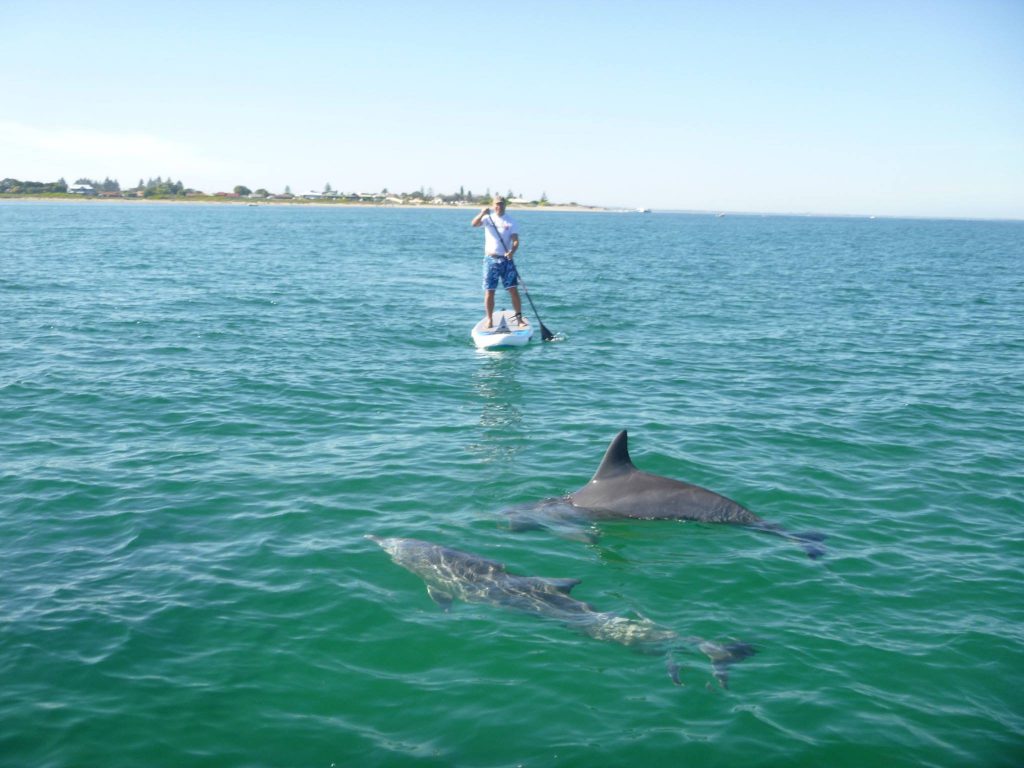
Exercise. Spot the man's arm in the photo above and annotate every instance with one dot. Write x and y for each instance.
(479, 219)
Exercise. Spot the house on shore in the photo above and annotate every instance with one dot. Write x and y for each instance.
(82, 189)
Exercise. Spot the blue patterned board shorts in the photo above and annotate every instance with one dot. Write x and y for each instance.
(503, 268)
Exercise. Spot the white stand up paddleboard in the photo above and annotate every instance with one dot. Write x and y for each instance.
(506, 332)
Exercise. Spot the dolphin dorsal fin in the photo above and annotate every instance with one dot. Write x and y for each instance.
(562, 585)
(616, 459)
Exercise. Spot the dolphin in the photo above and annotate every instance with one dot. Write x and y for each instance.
(619, 490)
(451, 573)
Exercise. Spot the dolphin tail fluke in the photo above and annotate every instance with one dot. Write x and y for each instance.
(725, 655)
(811, 542)
(722, 656)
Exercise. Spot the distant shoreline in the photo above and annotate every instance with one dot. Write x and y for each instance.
(297, 203)
(565, 208)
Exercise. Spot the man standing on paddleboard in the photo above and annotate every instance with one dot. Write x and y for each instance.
(501, 241)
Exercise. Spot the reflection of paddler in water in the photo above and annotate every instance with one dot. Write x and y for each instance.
(501, 241)
(500, 415)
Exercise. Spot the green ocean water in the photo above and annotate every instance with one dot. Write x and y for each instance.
(204, 409)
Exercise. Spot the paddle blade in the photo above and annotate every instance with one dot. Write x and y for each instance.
(545, 334)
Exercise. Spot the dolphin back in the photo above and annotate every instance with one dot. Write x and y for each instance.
(619, 489)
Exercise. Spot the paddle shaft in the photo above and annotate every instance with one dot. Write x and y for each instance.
(545, 334)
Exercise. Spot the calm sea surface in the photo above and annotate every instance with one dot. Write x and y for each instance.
(203, 409)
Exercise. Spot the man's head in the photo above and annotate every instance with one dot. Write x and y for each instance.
(498, 203)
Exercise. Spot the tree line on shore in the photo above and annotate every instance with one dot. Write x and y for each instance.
(168, 188)
(157, 187)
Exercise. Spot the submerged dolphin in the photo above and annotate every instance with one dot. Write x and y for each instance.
(451, 573)
(619, 490)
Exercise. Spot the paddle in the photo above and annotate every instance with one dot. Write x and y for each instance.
(545, 334)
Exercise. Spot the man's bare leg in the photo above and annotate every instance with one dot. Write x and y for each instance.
(517, 305)
(489, 307)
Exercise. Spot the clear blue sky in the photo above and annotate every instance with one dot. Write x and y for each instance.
(884, 108)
